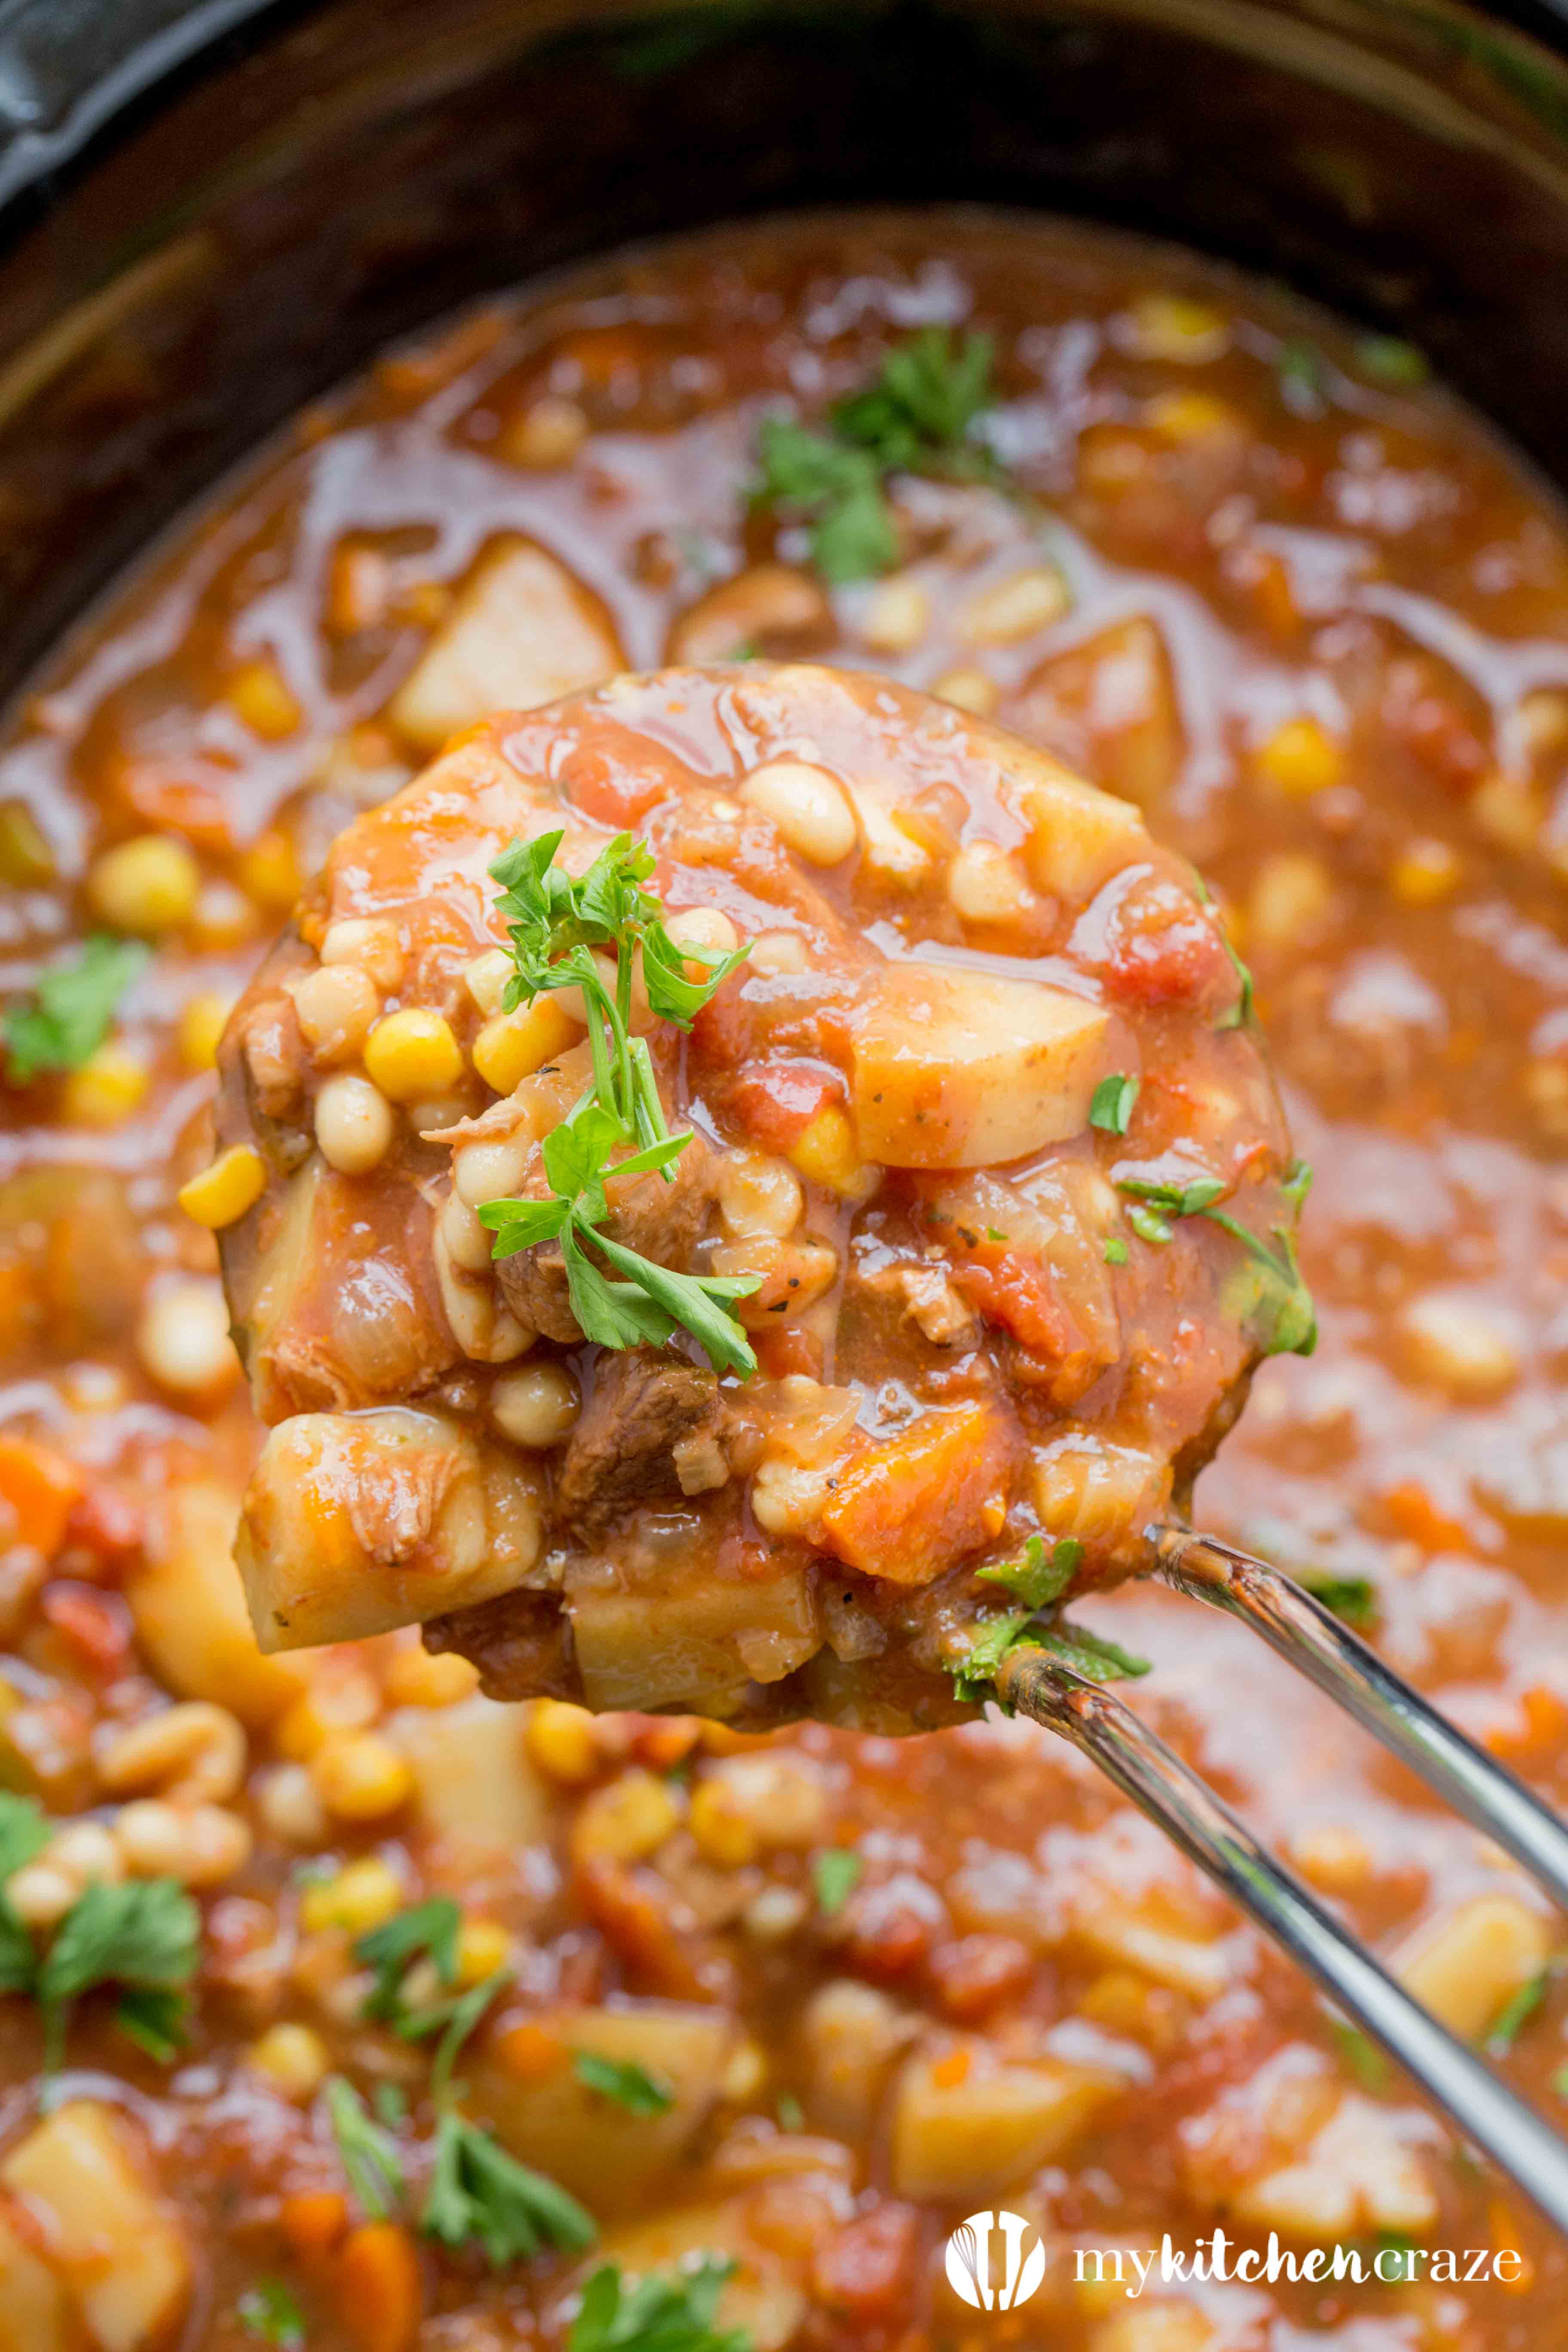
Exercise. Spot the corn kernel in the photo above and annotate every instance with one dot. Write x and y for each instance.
(223, 1193)
(548, 433)
(334, 1704)
(146, 887)
(269, 871)
(897, 615)
(201, 1019)
(1182, 417)
(362, 1895)
(514, 1044)
(106, 1089)
(483, 1947)
(625, 1821)
(969, 690)
(416, 1677)
(559, 1739)
(1293, 899)
(413, 1054)
(724, 1835)
(1300, 758)
(486, 977)
(292, 2058)
(1509, 810)
(1176, 326)
(746, 2071)
(1426, 871)
(1016, 607)
(223, 916)
(828, 1153)
(260, 696)
(360, 1777)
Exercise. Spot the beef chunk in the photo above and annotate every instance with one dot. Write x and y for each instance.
(622, 1451)
(659, 1221)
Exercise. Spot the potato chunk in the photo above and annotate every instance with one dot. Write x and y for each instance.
(958, 1070)
(33, 2313)
(543, 2110)
(475, 1791)
(1077, 836)
(188, 1605)
(762, 2299)
(523, 631)
(126, 2261)
(976, 2135)
(697, 1648)
(354, 1523)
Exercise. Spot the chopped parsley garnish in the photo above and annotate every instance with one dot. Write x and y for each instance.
(1361, 2055)
(555, 924)
(1089, 1654)
(657, 2313)
(477, 2192)
(834, 1873)
(24, 1835)
(144, 1935)
(1353, 1599)
(1110, 1105)
(270, 2311)
(916, 416)
(789, 2111)
(632, 2087)
(1039, 1576)
(369, 2154)
(428, 1931)
(1390, 361)
(1116, 1251)
(67, 1016)
(1281, 1305)
(1517, 2012)
(155, 2021)
(1237, 1015)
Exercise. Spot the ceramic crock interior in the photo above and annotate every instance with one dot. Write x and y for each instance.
(261, 216)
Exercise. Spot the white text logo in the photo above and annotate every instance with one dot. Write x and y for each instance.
(995, 2262)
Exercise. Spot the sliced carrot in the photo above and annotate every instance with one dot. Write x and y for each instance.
(1415, 1516)
(380, 2293)
(908, 1508)
(38, 1489)
(948, 2073)
(314, 2220)
(1504, 2233)
(530, 2053)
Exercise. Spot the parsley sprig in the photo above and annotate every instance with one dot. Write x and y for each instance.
(916, 416)
(558, 926)
(659, 2314)
(1282, 1306)
(629, 2086)
(1039, 1578)
(67, 1015)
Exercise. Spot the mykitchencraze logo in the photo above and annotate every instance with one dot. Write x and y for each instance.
(1132, 2267)
(995, 2262)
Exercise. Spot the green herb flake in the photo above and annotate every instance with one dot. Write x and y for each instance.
(154, 2022)
(25, 1831)
(1149, 1225)
(1351, 1599)
(1389, 362)
(1362, 2058)
(1039, 1577)
(480, 2194)
(1090, 1654)
(1517, 2012)
(1302, 377)
(1110, 1105)
(427, 1931)
(789, 2111)
(630, 2086)
(144, 1934)
(835, 1872)
(657, 2313)
(69, 1015)
(369, 2154)
(267, 2310)
(1116, 1251)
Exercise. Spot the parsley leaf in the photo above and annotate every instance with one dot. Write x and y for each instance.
(1039, 1576)
(1388, 361)
(1089, 1654)
(1361, 2053)
(1277, 1302)
(916, 415)
(1115, 1252)
(1517, 2012)
(1110, 1105)
(144, 1934)
(429, 1931)
(154, 2021)
(270, 2311)
(24, 1833)
(478, 2192)
(632, 2087)
(834, 1873)
(369, 2154)
(1352, 1598)
(658, 2313)
(68, 1013)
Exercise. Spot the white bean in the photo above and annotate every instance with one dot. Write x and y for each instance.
(808, 806)
(535, 1406)
(354, 1125)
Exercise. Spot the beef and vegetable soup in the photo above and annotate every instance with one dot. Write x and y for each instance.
(347, 2007)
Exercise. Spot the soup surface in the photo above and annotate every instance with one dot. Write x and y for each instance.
(352, 2009)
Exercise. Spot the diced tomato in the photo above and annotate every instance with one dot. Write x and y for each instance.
(864, 2269)
(892, 1927)
(976, 1973)
(776, 1102)
(97, 1624)
(1018, 1292)
(907, 1508)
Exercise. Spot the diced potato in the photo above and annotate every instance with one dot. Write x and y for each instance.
(762, 2299)
(476, 1791)
(1153, 1938)
(1357, 2172)
(523, 631)
(850, 2036)
(771, 601)
(968, 2131)
(891, 850)
(958, 1070)
(125, 2260)
(908, 1506)
(546, 2115)
(356, 1523)
(189, 1608)
(695, 1646)
(34, 2317)
(1077, 836)
(1467, 1964)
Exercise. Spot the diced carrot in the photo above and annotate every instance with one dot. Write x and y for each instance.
(314, 2220)
(1538, 1729)
(908, 1508)
(1503, 2232)
(1415, 1516)
(529, 2053)
(948, 2073)
(380, 2293)
(38, 1489)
